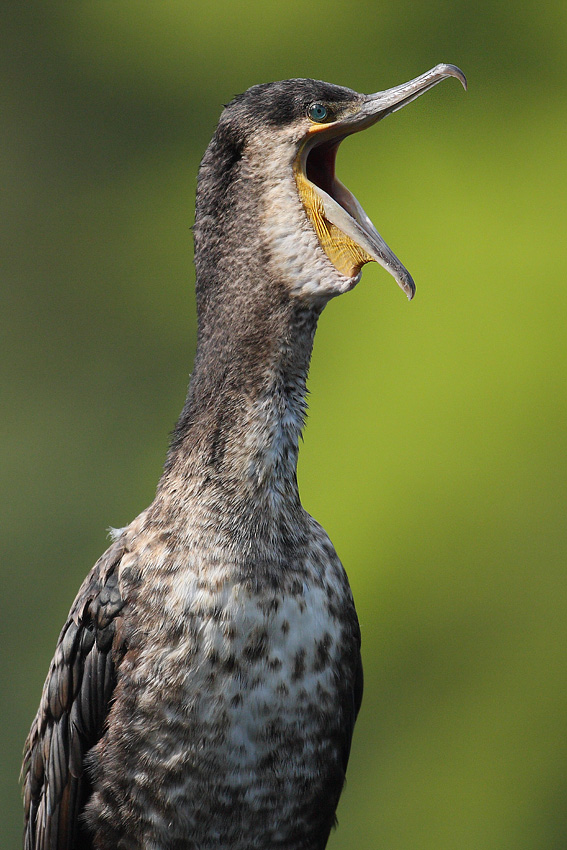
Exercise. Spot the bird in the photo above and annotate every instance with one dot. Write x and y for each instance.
(205, 686)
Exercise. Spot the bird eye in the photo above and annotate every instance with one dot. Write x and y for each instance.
(318, 113)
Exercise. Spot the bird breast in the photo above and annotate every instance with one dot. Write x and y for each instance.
(236, 692)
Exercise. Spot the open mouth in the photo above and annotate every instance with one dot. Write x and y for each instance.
(345, 232)
(320, 164)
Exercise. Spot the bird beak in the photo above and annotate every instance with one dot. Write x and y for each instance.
(337, 207)
(377, 106)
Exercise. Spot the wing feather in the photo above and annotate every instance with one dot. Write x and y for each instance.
(72, 712)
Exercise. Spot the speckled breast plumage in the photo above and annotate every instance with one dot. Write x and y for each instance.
(228, 726)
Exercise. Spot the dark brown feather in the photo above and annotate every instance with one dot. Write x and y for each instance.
(72, 712)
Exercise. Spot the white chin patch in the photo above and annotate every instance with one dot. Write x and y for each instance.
(294, 245)
(297, 252)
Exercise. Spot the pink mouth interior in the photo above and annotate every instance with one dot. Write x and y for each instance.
(320, 165)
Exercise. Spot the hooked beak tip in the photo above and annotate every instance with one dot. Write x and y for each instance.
(409, 288)
(453, 71)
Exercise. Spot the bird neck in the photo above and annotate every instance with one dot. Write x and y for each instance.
(235, 446)
(238, 434)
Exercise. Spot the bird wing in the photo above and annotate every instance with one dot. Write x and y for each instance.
(72, 712)
(353, 707)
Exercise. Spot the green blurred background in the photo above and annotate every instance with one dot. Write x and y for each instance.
(435, 452)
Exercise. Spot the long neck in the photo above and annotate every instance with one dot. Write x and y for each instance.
(237, 438)
(240, 428)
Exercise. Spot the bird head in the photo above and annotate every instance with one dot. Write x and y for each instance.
(272, 163)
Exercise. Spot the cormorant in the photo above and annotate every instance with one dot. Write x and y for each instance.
(205, 686)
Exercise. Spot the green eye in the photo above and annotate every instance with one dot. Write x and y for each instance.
(318, 113)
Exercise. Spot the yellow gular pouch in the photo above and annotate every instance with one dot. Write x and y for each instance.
(344, 253)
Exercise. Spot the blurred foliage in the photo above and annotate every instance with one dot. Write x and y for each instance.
(435, 452)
